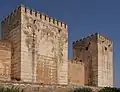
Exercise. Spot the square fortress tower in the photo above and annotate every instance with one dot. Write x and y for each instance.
(40, 46)
(96, 51)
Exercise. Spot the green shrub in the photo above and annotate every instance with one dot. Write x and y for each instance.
(82, 90)
(12, 89)
(108, 89)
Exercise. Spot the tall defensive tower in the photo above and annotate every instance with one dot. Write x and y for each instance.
(39, 41)
(96, 51)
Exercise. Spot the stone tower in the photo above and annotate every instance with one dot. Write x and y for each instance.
(96, 51)
(40, 46)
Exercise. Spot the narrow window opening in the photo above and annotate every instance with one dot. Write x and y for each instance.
(59, 31)
(45, 17)
(86, 48)
(57, 23)
(80, 60)
(105, 48)
(102, 41)
(47, 33)
(109, 45)
(35, 13)
(34, 21)
(31, 12)
(40, 16)
(49, 19)
(25, 10)
(61, 24)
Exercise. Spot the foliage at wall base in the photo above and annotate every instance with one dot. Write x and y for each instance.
(12, 89)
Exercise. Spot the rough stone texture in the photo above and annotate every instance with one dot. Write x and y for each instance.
(11, 32)
(37, 39)
(46, 71)
(35, 87)
(96, 53)
(105, 61)
(76, 72)
(43, 42)
(5, 60)
(40, 51)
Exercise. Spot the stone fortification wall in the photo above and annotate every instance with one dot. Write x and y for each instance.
(5, 60)
(76, 72)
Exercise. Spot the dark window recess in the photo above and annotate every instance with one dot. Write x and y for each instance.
(102, 41)
(30, 11)
(25, 10)
(80, 60)
(34, 21)
(35, 13)
(108, 45)
(75, 58)
(45, 18)
(89, 43)
(86, 48)
(49, 19)
(38, 30)
(61, 23)
(57, 23)
(59, 31)
(105, 48)
(40, 16)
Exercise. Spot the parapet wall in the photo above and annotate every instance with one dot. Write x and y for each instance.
(12, 18)
(76, 67)
(96, 36)
(44, 17)
(34, 13)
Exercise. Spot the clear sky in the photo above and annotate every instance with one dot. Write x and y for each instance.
(83, 17)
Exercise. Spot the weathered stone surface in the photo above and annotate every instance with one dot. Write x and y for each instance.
(42, 39)
(5, 60)
(35, 35)
(76, 72)
(40, 52)
(96, 53)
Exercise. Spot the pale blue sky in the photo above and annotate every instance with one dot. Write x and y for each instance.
(83, 17)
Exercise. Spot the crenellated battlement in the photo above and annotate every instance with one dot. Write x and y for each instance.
(104, 39)
(93, 36)
(13, 16)
(34, 13)
(43, 17)
(96, 36)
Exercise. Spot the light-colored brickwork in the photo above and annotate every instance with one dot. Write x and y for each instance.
(5, 60)
(105, 61)
(44, 38)
(11, 31)
(96, 53)
(46, 71)
(40, 52)
(76, 72)
(35, 35)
